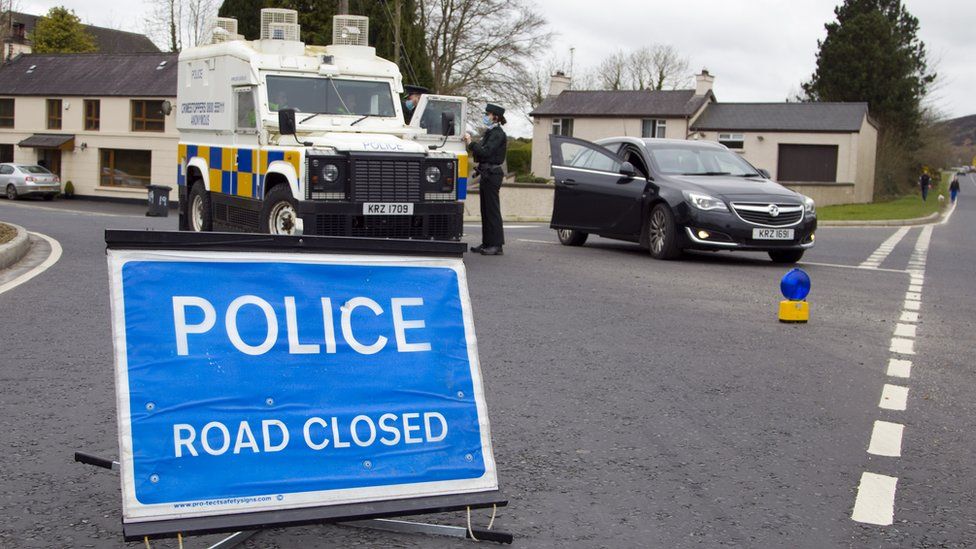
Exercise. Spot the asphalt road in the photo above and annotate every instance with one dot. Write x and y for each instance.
(634, 403)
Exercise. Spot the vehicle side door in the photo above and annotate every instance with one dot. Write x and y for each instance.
(591, 194)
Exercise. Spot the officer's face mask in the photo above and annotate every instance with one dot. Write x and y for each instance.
(409, 104)
(486, 119)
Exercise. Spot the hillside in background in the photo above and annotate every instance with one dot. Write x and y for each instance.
(962, 130)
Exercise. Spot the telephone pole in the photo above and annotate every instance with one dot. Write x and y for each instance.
(343, 7)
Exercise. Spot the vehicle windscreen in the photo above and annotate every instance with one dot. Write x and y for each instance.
(330, 96)
(688, 160)
(33, 169)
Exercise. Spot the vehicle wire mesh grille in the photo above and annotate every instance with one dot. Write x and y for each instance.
(385, 180)
(764, 217)
(436, 227)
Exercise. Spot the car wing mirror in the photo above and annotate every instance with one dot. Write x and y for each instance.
(764, 173)
(627, 169)
(286, 122)
(447, 124)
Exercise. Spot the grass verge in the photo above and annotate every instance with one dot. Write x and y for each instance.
(7, 233)
(906, 207)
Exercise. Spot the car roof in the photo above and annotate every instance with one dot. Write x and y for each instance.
(652, 142)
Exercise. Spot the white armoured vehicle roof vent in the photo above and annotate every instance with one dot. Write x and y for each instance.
(279, 24)
(350, 30)
(225, 28)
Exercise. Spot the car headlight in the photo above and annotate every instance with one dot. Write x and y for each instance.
(330, 172)
(433, 174)
(705, 202)
(809, 206)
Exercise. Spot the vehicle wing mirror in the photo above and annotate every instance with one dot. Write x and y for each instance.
(286, 122)
(764, 173)
(447, 124)
(627, 169)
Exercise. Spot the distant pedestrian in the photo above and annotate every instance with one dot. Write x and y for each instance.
(490, 155)
(954, 188)
(925, 182)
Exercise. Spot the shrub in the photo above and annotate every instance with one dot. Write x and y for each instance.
(69, 189)
(519, 160)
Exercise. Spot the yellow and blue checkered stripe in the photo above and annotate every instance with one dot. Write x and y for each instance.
(462, 176)
(235, 171)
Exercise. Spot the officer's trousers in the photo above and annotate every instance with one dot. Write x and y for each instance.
(492, 233)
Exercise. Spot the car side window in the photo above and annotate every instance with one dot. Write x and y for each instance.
(631, 155)
(6, 170)
(594, 159)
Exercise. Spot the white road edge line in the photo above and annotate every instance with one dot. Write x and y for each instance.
(886, 439)
(52, 258)
(875, 503)
(537, 241)
(884, 250)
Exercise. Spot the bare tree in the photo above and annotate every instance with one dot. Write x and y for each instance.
(181, 23)
(611, 73)
(483, 48)
(669, 68)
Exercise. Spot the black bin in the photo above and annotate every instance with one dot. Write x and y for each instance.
(158, 200)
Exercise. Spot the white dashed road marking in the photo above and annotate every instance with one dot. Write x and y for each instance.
(899, 368)
(875, 502)
(884, 250)
(886, 439)
(902, 346)
(905, 330)
(894, 397)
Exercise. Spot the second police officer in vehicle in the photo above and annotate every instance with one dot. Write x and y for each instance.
(411, 100)
(490, 155)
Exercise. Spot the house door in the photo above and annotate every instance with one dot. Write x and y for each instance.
(50, 159)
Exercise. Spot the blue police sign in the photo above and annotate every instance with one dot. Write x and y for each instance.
(257, 381)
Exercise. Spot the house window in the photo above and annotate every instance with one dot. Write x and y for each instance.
(562, 126)
(124, 168)
(54, 114)
(147, 116)
(6, 153)
(732, 140)
(7, 113)
(653, 127)
(93, 109)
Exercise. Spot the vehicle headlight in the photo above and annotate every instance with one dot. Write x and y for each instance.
(433, 174)
(809, 206)
(330, 172)
(705, 202)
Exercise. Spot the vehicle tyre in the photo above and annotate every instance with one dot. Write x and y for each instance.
(11, 192)
(49, 197)
(786, 256)
(200, 210)
(662, 233)
(279, 212)
(569, 237)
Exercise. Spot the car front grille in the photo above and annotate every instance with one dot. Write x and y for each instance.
(385, 180)
(759, 213)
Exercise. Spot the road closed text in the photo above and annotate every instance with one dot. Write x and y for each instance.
(194, 316)
(317, 433)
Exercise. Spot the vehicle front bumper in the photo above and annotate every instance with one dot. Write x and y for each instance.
(728, 232)
(430, 220)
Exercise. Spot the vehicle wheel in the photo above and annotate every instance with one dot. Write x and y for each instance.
(786, 256)
(662, 233)
(11, 192)
(279, 213)
(569, 237)
(49, 197)
(200, 211)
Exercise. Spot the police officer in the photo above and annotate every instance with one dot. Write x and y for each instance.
(490, 155)
(411, 100)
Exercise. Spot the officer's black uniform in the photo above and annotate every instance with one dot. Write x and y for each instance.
(490, 154)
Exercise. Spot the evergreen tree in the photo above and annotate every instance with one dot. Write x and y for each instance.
(872, 53)
(60, 31)
(315, 17)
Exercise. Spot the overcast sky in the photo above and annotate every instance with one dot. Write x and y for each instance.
(758, 50)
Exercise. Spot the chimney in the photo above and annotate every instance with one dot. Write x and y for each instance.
(558, 83)
(703, 82)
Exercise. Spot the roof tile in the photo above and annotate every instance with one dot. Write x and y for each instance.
(92, 74)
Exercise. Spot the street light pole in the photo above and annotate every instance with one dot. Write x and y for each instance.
(343, 7)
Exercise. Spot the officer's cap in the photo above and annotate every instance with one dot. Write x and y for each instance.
(495, 109)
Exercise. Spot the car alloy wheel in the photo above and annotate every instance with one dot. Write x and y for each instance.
(658, 231)
(11, 192)
(564, 234)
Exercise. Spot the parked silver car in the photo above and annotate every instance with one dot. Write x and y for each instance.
(27, 179)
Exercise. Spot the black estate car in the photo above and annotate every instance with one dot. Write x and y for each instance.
(672, 195)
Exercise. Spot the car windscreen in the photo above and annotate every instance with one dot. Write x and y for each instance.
(330, 96)
(33, 169)
(689, 160)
